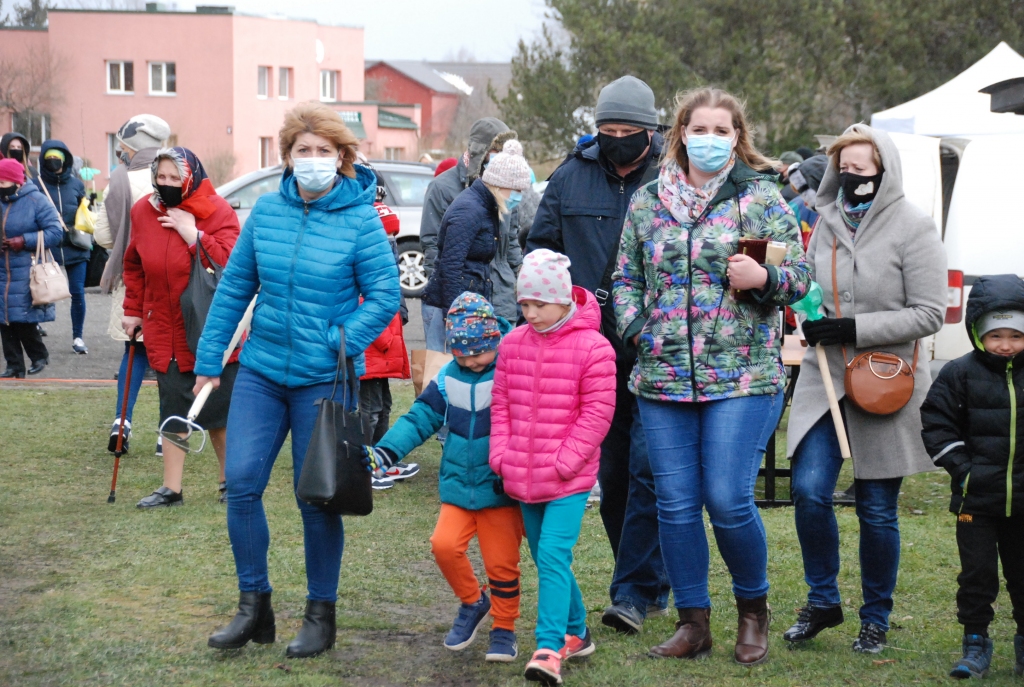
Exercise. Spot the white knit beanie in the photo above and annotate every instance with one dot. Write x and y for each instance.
(508, 169)
(544, 277)
(144, 131)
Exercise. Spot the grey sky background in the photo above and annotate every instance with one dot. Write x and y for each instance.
(420, 29)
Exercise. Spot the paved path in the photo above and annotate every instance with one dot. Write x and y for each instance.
(105, 354)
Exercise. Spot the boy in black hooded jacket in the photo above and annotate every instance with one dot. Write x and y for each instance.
(973, 426)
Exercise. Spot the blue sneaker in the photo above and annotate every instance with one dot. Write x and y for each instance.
(503, 648)
(467, 622)
(1018, 649)
(976, 659)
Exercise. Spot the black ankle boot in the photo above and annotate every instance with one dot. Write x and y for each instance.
(254, 621)
(317, 633)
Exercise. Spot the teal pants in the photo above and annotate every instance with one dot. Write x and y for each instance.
(552, 529)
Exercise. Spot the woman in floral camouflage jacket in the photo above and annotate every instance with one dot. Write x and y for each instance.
(709, 373)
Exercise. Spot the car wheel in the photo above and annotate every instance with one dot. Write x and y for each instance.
(411, 271)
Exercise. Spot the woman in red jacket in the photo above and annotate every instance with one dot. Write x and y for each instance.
(166, 225)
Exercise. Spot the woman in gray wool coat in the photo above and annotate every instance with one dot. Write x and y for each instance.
(891, 280)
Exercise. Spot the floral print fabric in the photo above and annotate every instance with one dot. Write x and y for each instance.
(698, 343)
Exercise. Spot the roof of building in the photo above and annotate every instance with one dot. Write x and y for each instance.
(456, 78)
(391, 120)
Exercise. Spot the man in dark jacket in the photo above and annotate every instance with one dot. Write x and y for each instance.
(440, 194)
(973, 426)
(58, 182)
(581, 215)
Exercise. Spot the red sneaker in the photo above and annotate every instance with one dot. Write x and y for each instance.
(577, 647)
(545, 667)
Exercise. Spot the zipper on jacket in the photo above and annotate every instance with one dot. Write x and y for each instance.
(1013, 436)
(470, 468)
(622, 186)
(291, 288)
(963, 501)
(533, 415)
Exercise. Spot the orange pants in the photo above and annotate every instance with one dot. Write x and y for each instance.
(499, 532)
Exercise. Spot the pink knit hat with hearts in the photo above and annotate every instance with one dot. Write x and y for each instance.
(544, 277)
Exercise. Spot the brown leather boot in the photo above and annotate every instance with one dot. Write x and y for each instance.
(752, 635)
(692, 638)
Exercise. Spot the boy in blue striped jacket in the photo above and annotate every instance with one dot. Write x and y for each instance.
(473, 501)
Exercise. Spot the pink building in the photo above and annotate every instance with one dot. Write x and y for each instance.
(222, 80)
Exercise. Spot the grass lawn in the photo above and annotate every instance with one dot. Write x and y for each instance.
(98, 594)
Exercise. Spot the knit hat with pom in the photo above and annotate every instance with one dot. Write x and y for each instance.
(544, 277)
(508, 169)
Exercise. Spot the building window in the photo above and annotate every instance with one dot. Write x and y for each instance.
(328, 84)
(266, 151)
(35, 126)
(120, 77)
(284, 83)
(263, 82)
(162, 78)
(112, 159)
(394, 153)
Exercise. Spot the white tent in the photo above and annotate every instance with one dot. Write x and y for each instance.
(956, 108)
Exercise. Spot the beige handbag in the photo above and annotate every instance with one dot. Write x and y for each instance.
(46, 281)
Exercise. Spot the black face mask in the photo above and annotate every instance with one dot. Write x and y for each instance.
(18, 155)
(7, 192)
(860, 189)
(53, 164)
(170, 196)
(624, 150)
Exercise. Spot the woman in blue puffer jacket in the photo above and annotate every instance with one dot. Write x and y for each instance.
(311, 250)
(24, 213)
(58, 181)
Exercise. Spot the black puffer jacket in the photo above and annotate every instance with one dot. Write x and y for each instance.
(466, 244)
(973, 417)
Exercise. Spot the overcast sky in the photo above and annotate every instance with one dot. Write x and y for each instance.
(418, 29)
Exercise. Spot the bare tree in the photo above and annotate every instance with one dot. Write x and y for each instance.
(31, 81)
(220, 166)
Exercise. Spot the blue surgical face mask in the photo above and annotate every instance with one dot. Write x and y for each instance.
(514, 199)
(315, 174)
(708, 152)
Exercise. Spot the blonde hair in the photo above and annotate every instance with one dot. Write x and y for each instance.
(691, 100)
(318, 119)
(499, 199)
(851, 138)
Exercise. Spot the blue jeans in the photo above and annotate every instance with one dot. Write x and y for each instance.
(139, 367)
(262, 413)
(640, 577)
(76, 284)
(552, 529)
(706, 455)
(433, 327)
(816, 465)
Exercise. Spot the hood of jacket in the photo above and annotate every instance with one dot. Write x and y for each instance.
(889, 191)
(346, 193)
(6, 139)
(143, 159)
(998, 292)
(69, 162)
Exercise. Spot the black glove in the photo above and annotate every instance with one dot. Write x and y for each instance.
(829, 331)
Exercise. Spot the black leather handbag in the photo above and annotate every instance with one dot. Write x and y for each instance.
(333, 477)
(198, 296)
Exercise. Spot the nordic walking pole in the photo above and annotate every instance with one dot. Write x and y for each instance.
(119, 449)
(809, 306)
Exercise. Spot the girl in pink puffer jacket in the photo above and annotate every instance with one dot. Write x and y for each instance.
(552, 405)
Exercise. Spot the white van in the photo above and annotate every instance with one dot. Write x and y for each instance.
(984, 226)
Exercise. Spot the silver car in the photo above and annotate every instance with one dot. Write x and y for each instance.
(406, 183)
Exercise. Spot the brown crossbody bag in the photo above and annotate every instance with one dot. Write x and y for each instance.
(877, 382)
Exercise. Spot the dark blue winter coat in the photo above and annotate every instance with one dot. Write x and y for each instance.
(581, 215)
(310, 262)
(66, 191)
(466, 244)
(25, 214)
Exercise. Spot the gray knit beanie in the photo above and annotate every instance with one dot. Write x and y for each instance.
(627, 100)
(144, 131)
(508, 169)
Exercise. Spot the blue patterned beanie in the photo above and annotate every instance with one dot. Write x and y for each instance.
(472, 328)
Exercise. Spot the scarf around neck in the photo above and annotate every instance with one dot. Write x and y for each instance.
(684, 201)
(852, 215)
